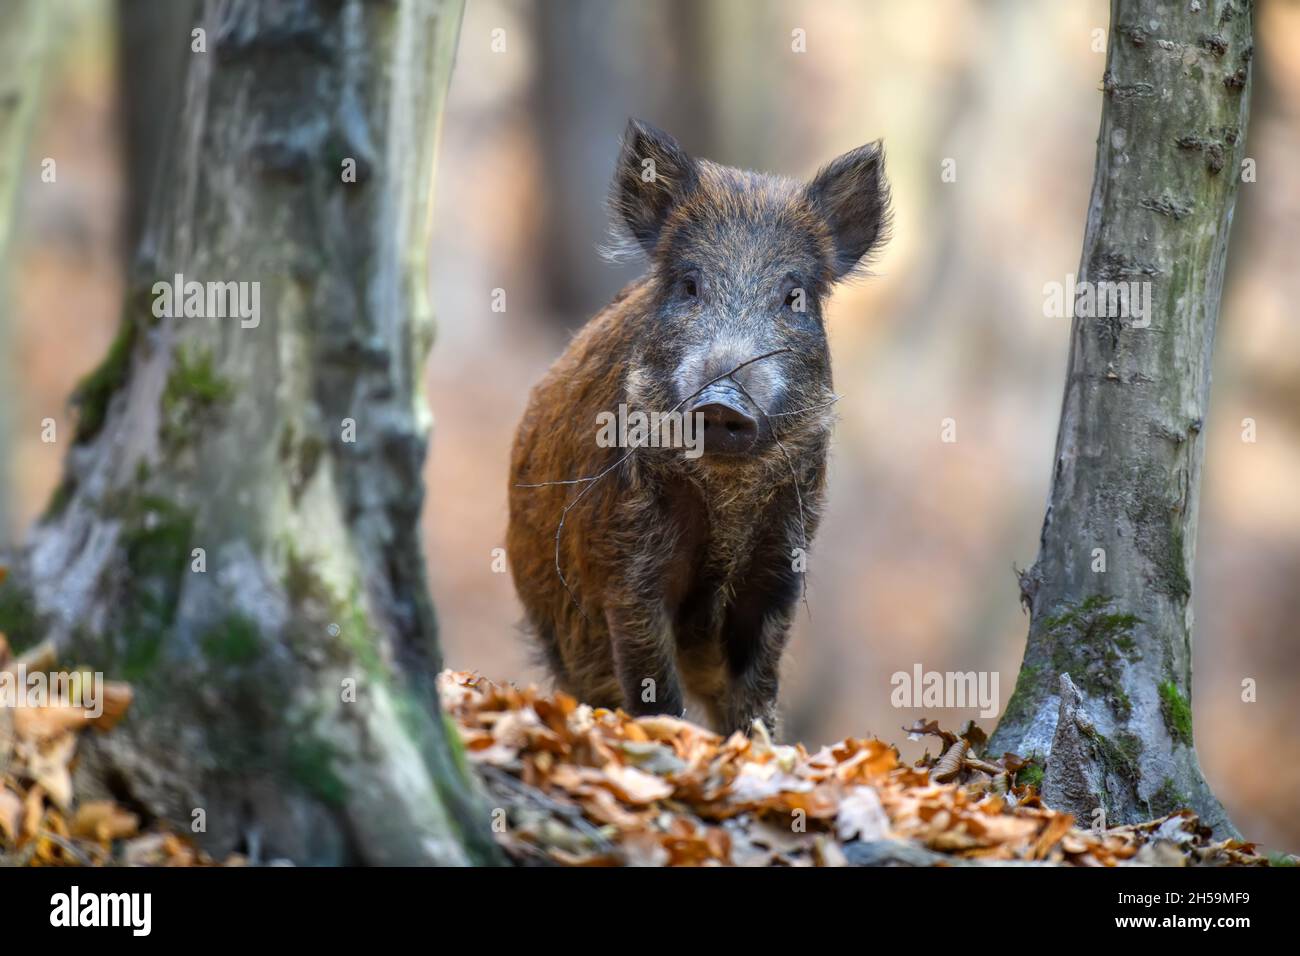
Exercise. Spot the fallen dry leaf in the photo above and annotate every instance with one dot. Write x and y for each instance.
(104, 821)
(11, 814)
(48, 765)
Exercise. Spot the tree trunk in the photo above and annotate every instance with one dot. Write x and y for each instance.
(1117, 734)
(584, 93)
(24, 27)
(237, 531)
(153, 51)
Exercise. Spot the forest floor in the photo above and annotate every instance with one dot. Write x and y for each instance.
(578, 786)
(575, 786)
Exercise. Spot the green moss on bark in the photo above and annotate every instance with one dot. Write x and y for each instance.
(193, 392)
(1177, 713)
(235, 641)
(19, 621)
(1091, 642)
(1030, 775)
(1027, 692)
(310, 764)
(1119, 757)
(60, 498)
(156, 546)
(93, 393)
(1168, 798)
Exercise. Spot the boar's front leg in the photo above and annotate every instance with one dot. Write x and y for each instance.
(641, 639)
(754, 636)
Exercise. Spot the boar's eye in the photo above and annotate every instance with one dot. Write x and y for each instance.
(796, 296)
(691, 286)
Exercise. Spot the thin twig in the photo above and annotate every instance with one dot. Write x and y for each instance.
(809, 408)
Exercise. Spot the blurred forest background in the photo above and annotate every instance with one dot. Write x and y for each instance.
(914, 562)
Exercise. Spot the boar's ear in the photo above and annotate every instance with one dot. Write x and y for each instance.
(653, 174)
(851, 195)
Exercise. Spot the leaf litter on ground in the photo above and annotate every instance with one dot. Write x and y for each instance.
(584, 786)
(41, 821)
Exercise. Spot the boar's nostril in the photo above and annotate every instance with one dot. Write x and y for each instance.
(728, 429)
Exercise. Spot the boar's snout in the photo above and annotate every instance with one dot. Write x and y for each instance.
(728, 418)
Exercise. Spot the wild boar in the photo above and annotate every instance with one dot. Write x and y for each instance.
(647, 572)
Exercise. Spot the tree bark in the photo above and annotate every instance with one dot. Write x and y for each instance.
(24, 28)
(153, 51)
(289, 451)
(1117, 734)
(584, 93)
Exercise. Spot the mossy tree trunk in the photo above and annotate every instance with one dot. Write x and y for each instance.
(24, 29)
(1109, 593)
(237, 532)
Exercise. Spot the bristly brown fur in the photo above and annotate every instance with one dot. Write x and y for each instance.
(672, 575)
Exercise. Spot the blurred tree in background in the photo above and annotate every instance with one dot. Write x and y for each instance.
(24, 38)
